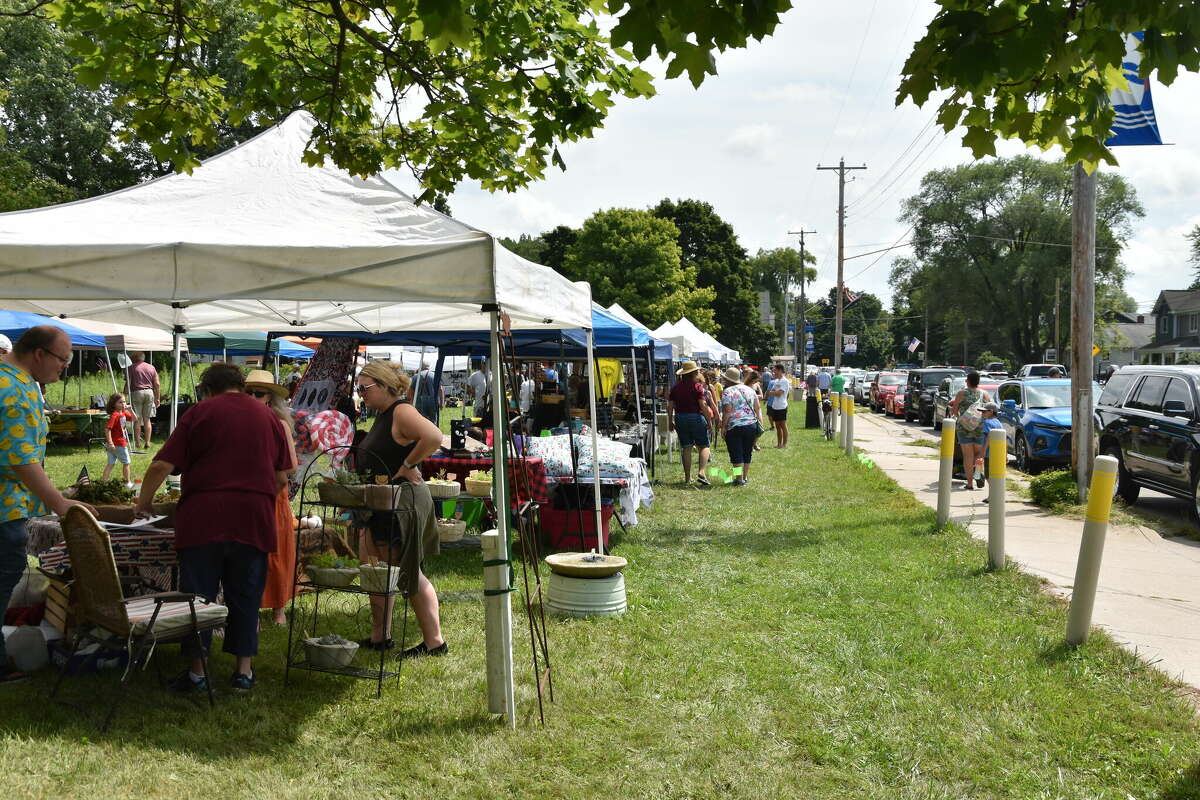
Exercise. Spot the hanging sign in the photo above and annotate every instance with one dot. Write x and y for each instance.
(849, 344)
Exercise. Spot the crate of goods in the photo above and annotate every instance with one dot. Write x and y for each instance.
(561, 527)
(58, 601)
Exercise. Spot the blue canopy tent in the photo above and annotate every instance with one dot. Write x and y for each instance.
(15, 323)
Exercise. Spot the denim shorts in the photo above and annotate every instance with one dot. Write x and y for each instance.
(118, 454)
(692, 430)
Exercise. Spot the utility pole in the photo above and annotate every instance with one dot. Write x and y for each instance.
(1057, 338)
(925, 360)
(1083, 321)
(801, 349)
(837, 323)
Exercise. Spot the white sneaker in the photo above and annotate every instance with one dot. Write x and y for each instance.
(129, 485)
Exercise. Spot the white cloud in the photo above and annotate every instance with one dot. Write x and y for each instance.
(756, 141)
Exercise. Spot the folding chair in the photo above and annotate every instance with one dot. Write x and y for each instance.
(105, 616)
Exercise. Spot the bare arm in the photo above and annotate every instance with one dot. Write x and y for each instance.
(38, 482)
(671, 415)
(156, 473)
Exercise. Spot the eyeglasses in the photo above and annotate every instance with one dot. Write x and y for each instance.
(259, 393)
(65, 361)
(362, 387)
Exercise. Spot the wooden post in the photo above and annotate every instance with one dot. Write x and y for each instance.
(1083, 321)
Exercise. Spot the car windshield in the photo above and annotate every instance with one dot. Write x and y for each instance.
(930, 380)
(891, 380)
(1041, 370)
(956, 384)
(1052, 396)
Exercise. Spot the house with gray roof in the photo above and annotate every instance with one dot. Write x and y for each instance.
(1176, 327)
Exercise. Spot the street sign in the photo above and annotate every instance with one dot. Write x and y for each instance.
(808, 342)
(791, 337)
(809, 328)
(1095, 350)
(1050, 356)
(824, 362)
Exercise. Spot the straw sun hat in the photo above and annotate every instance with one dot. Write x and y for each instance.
(688, 368)
(732, 375)
(265, 382)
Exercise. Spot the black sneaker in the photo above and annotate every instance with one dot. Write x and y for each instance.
(370, 644)
(421, 650)
(702, 480)
(241, 683)
(183, 684)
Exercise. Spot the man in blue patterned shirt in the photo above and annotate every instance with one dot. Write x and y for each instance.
(39, 356)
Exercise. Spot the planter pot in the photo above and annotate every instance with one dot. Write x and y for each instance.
(379, 579)
(332, 576)
(330, 656)
(381, 497)
(479, 488)
(336, 494)
(451, 530)
(444, 490)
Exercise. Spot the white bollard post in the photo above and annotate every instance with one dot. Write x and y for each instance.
(945, 471)
(1091, 550)
(848, 401)
(997, 473)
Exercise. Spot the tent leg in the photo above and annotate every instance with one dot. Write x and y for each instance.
(175, 336)
(111, 375)
(501, 699)
(592, 385)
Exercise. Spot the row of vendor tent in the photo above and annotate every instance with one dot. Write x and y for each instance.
(99, 335)
(693, 342)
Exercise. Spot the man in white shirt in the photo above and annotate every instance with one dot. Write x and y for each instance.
(477, 381)
(823, 382)
(527, 388)
(777, 404)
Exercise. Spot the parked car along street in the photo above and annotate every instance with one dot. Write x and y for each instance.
(885, 383)
(922, 387)
(948, 390)
(1036, 415)
(1039, 370)
(1147, 420)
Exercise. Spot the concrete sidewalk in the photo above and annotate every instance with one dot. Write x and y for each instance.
(1149, 595)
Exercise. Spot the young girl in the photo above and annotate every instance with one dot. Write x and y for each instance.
(114, 436)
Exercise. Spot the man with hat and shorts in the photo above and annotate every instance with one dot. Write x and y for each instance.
(688, 411)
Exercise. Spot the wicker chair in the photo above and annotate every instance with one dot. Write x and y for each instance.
(103, 615)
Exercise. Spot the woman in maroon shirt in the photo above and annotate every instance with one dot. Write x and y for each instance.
(233, 453)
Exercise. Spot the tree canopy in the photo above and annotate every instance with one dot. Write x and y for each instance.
(778, 271)
(1041, 70)
(864, 318)
(467, 90)
(632, 257)
(989, 241)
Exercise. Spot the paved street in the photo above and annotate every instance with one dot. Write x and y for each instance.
(1149, 597)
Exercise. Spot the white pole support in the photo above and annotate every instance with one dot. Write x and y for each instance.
(593, 387)
(997, 444)
(1091, 550)
(500, 671)
(176, 347)
(497, 624)
(848, 425)
(945, 471)
(835, 403)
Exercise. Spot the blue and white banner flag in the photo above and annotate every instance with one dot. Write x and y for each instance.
(1135, 123)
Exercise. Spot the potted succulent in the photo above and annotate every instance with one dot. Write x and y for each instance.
(451, 530)
(329, 651)
(328, 570)
(443, 489)
(343, 488)
(479, 484)
(378, 578)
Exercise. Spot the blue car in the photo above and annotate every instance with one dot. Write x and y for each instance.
(1036, 415)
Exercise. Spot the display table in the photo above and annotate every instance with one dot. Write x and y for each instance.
(80, 425)
(144, 547)
(459, 468)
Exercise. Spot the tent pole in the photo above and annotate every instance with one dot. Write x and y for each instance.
(112, 375)
(592, 382)
(637, 393)
(79, 393)
(652, 445)
(498, 622)
(175, 380)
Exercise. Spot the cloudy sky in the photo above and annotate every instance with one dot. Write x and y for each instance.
(749, 140)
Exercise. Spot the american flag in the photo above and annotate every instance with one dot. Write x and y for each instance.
(849, 295)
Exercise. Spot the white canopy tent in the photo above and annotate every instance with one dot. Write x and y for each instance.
(129, 337)
(704, 346)
(256, 240)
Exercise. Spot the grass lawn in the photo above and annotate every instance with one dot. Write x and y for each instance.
(804, 636)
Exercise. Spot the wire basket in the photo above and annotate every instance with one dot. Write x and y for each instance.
(478, 488)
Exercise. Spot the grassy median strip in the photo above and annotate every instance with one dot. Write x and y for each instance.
(807, 635)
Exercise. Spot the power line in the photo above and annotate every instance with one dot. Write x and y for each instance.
(895, 162)
(927, 151)
(881, 255)
(873, 252)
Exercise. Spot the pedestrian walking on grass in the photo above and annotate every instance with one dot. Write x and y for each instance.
(740, 417)
(689, 409)
(967, 407)
(753, 380)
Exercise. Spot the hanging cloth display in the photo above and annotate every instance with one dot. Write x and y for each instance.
(608, 375)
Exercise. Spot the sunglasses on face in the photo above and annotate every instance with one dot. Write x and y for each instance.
(362, 387)
(259, 393)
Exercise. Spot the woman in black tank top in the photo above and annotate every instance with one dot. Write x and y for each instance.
(397, 443)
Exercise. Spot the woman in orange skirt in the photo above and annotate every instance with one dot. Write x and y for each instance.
(281, 565)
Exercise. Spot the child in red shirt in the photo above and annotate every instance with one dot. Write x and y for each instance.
(115, 440)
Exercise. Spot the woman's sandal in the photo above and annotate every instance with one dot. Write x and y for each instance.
(371, 644)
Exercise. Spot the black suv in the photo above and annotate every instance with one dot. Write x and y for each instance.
(1147, 419)
(922, 386)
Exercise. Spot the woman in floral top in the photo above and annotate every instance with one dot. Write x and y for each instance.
(741, 415)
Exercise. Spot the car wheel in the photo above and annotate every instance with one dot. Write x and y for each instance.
(1125, 488)
(1025, 462)
(908, 417)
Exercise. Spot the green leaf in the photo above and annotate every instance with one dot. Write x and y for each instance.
(981, 141)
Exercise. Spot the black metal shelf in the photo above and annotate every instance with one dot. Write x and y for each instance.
(349, 671)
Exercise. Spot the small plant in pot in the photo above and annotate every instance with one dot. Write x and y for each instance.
(335, 571)
(442, 489)
(330, 651)
(379, 577)
(343, 488)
